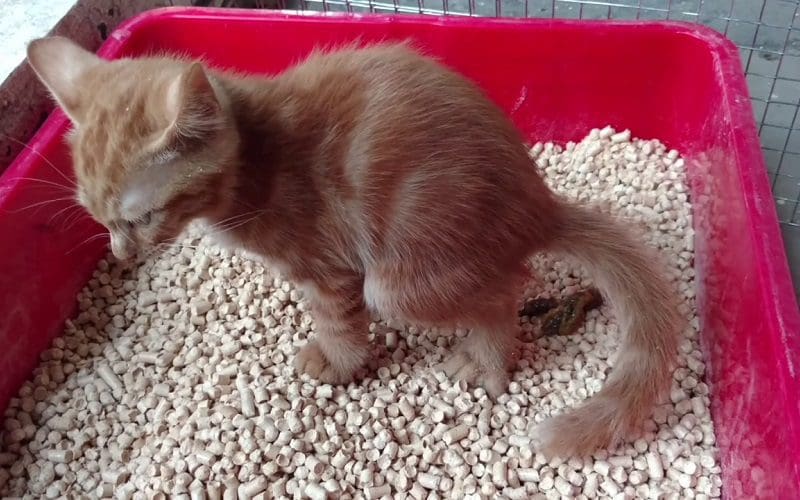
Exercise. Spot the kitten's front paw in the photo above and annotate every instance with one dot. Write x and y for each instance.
(312, 361)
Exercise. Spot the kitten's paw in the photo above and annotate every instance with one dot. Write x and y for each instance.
(313, 362)
(462, 366)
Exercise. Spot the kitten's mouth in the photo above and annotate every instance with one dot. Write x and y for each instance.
(123, 256)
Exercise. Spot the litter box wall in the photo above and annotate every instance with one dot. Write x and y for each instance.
(679, 83)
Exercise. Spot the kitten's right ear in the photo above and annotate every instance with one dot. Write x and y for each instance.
(191, 104)
(60, 64)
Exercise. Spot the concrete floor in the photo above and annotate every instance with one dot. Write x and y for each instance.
(23, 20)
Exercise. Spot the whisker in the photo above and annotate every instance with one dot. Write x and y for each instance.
(70, 188)
(87, 240)
(236, 217)
(231, 227)
(127, 237)
(45, 186)
(40, 155)
(40, 203)
(74, 218)
(175, 243)
(246, 205)
(234, 222)
(63, 210)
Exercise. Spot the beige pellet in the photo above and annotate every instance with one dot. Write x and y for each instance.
(115, 477)
(213, 491)
(151, 358)
(500, 474)
(418, 492)
(314, 466)
(197, 491)
(610, 487)
(59, 456)
(591, 485)
(456, 433)
(339, 460)
(428, 481)
(125, 492)
(519, 493)
(316, 492)
(248, 403)
(519, 441)
(654, 467)
(105, 490)
(110, 378)
(252, 488)
(376, 492)
(625, 461)
(528, 475)
(619, 137)
(391, 340)
(231, 491)
(406, 409)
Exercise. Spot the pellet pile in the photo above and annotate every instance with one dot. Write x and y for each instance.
(176, 379)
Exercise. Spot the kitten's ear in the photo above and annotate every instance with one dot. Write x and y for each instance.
(60, 64)
(191, 104)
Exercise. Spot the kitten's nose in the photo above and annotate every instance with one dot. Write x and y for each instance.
(121, 247)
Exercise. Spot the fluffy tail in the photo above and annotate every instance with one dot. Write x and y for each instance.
(645, 305)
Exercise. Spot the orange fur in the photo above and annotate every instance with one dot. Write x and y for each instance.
(375, 178)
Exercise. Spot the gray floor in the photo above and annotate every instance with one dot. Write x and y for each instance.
(23, 20)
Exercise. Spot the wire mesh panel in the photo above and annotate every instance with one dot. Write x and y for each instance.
(766, 31)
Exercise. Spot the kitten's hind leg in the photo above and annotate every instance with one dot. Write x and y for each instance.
(341, 346)
(432, 296)
(487, 356)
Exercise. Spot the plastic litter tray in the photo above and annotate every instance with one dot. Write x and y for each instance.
(680, 83)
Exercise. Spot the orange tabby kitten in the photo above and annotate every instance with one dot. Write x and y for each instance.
(377, 180)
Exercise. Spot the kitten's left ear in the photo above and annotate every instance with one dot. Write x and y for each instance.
(60, 64)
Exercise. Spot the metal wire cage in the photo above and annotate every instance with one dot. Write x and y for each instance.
(766, 31)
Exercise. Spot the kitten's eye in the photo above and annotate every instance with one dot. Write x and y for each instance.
(143, 220)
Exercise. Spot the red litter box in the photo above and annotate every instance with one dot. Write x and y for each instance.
(680, 83)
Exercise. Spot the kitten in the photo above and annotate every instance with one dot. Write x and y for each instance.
(377, 180)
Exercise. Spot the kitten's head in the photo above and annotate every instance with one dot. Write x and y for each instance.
(152, 142)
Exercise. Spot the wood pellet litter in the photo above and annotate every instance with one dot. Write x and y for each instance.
(176, 380)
